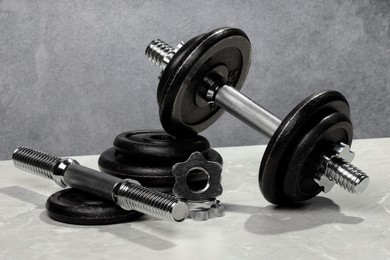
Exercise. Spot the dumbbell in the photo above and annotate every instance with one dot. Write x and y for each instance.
(308, 150)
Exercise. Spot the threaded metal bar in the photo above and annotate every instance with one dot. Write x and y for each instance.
(346, 175)
(34, 161)
(159, 52)
(157, 204)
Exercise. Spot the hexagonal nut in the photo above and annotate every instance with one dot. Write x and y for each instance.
(197, 163)
(343, 151)
(201, 211)
(324, 182)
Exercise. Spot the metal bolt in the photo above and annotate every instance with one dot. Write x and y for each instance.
(160, 52)
(127, 194)
(337, 170)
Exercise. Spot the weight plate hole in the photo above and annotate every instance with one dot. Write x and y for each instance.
(198, 186)
(162, 137)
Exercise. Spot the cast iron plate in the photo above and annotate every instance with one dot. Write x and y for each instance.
(158, 146)
(77, 207)
(180, 113)
(317, 123)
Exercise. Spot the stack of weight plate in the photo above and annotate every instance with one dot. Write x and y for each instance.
(148, 156)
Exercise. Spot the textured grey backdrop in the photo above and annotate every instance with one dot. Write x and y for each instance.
(73, 73)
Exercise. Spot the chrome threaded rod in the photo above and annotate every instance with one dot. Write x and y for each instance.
(160, 52)
(160, 205)
(338, 171)
(42, 164)
(127, 194)
(35, 162)
(346, 175)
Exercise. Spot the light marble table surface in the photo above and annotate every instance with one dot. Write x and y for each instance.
(337, 225)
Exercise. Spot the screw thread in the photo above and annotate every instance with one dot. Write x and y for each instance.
(35, 161)
(346, 175)
(159, 52)
(135, 197)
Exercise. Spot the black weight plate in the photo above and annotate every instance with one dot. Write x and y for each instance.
(180, 114)
(214, 156)
(77, 207)
(150, 174)
(299, 184)
(157, 145)
(293, 128)
(180, 56)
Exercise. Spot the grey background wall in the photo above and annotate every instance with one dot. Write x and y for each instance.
(73, 73)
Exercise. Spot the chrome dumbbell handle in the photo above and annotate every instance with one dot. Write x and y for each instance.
(127, 194)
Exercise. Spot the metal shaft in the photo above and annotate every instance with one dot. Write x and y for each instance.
(127, 194)
(338, 171)
(247, 110)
